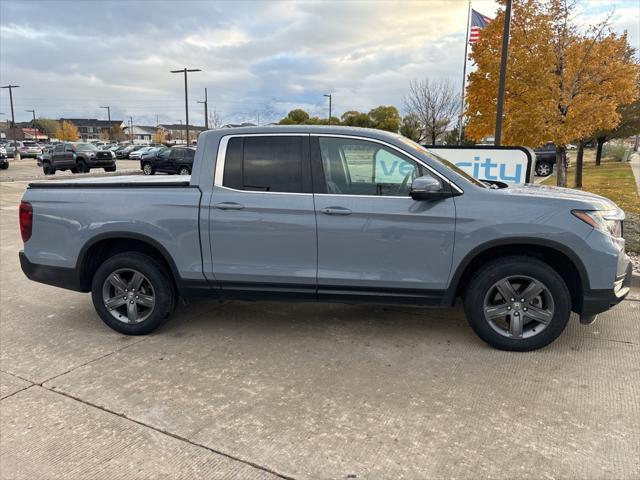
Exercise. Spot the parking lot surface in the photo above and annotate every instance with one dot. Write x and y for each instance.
(302, 390)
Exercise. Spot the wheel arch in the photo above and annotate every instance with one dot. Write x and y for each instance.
(103, 246)
(564, 261)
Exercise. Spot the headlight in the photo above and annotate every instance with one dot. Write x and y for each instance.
(607, 221)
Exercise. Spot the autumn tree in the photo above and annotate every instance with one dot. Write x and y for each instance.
(385, 118)
(561, 84)
(160, 136)
(434, 103)
(67, 131)
(117, 134)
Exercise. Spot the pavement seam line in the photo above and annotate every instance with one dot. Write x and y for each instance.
(170, 434)
(17, 391)
(91, 361)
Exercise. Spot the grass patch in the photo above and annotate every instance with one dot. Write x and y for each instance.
(615, 181)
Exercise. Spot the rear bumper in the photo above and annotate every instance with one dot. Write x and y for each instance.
(68, 278)
(598, 301)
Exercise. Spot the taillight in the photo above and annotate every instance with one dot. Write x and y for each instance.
(26, 220)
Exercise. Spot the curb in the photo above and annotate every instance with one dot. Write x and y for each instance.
(635, 280)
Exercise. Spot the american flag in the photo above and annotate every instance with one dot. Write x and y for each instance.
(478, 22)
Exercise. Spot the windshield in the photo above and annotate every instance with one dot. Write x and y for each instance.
(86, 147)
(417, 148)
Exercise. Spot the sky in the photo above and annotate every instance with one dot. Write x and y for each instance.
(258, 59)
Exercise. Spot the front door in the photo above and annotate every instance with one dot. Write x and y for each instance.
(261, 216)
(374, 240)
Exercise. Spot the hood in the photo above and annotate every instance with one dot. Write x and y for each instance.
(596, 202)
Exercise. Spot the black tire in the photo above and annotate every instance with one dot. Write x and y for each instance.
(147, 168)
(184, 171)
(485, 279)
(81, 167)
(47, 169)
(544, 169)
(110, 169)
(159, 280)
(4, 165)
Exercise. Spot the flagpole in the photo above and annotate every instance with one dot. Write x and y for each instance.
(464, 75)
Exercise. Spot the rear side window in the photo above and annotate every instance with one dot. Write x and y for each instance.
(265, 164)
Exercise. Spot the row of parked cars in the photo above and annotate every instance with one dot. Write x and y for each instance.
(81, 157)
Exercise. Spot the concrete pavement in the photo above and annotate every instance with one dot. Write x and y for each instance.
(301, 390)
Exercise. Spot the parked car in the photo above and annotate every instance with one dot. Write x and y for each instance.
(11, 148)
(124, 153)
(79, 158)
(45, 156)
(329, 214)
(137, 154)
(175, 160)
(29, 149)
(4, 161)
(545, 159)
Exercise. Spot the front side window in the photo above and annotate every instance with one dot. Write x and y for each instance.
(264, 164)
(359, 167)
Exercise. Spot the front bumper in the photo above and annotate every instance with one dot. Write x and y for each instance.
(598, 301)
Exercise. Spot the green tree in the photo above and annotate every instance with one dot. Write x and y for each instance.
(353, 118)
(47, 126)
(629, 125)
(385, 118)
(295, 117)
(410, 127)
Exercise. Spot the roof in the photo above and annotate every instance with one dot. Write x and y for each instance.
(180, 126)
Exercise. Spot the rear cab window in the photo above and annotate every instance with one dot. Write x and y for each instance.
(277, 164)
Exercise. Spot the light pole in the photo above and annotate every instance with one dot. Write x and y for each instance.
(328, 95)
(186, 97)
(13, 118)
(503, 73)
(108, 108)
(131, 130)
(206, 110)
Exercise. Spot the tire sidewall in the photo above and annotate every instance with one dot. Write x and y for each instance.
(549, 169)
(515, 266)
(151, 171)
(159, 280)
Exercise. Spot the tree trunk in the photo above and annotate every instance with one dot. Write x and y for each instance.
(635, 146)
(561, 166)
(601, 142)
(579, 163)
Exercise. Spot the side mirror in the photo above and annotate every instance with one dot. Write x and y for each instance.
(427, 188)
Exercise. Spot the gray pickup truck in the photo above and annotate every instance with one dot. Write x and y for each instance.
(330, 214)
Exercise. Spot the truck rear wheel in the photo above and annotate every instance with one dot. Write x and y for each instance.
(132, 293)
(517, 303)
(543, 169)
(81, 167)
(47, 169)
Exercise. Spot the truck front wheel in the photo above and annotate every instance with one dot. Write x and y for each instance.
(517, 303)
(132, 293)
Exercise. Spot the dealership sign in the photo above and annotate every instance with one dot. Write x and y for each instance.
(504, 164)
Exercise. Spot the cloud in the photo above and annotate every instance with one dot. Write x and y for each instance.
(259, 58)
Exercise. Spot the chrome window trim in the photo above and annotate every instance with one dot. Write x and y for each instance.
(224, 141)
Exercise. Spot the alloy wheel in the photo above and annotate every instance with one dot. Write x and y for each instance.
(518, 307)
(128, 295)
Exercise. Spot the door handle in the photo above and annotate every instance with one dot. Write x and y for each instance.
(228, 206)
(336, 211)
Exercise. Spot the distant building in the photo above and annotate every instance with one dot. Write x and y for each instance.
(140, 134)
(92, 128)
(176, 133)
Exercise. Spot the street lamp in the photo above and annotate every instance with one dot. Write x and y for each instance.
(13, 118)
(186, 97)
(206, 110)
(328, 95)
(109, 118)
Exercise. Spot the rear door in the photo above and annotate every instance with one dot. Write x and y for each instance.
(373, 238)
(261, 216)
(175, 159)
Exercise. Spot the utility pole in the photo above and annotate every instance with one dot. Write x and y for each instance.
(206, 110)
(186, 96)
(157, 121)
(109, 118)
(34, 116)
(503, 72)
(328, 95)
(13, 118)
(181, 137)
(131, 130)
